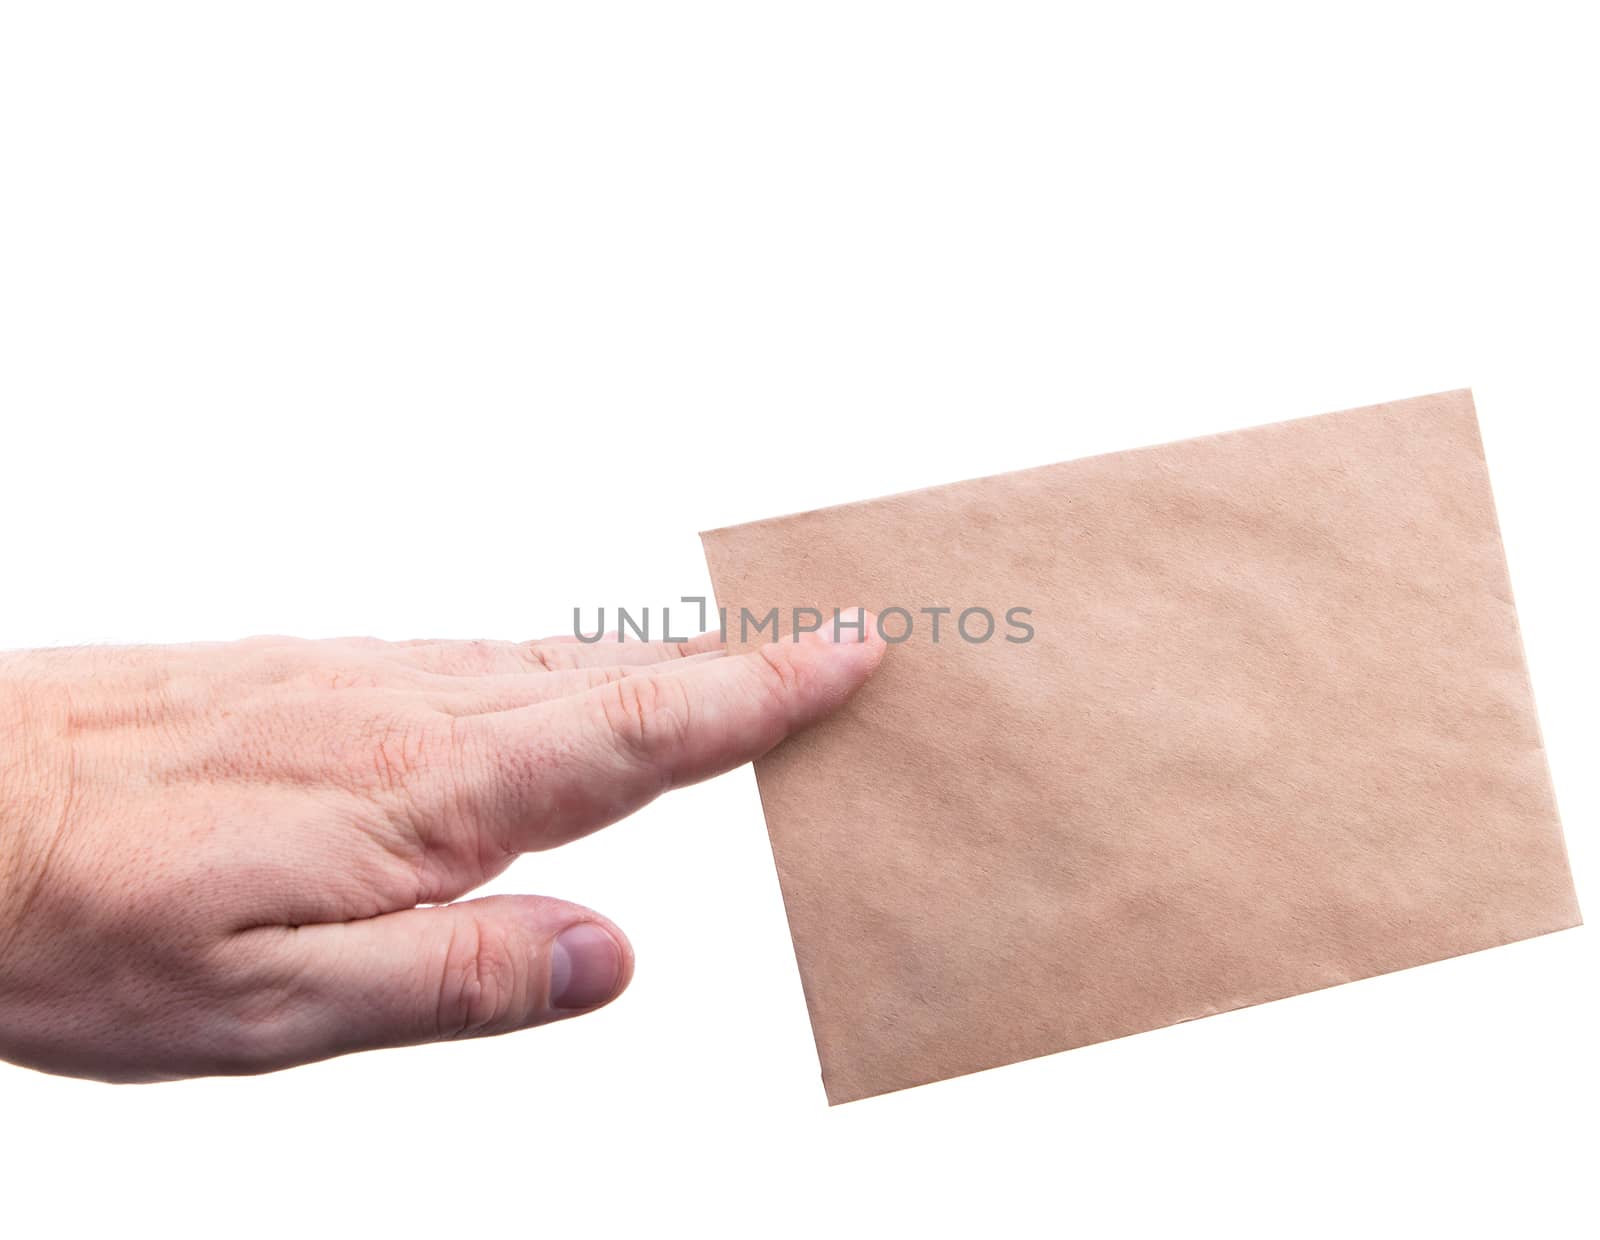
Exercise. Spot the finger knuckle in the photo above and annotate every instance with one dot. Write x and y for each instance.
(483, 986)
(783, 679)
(647, 715)
(600, 677)
(544, 657)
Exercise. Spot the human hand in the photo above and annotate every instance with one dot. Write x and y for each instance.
(212, 857)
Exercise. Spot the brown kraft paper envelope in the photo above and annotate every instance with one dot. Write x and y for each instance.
(1273, 732)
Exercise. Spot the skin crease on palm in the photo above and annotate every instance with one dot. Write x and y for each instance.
(235, 858)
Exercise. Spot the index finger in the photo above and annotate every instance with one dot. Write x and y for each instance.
(546, 774)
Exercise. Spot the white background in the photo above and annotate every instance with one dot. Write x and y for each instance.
(436, 320)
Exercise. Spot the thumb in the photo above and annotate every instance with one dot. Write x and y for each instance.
(471, 969)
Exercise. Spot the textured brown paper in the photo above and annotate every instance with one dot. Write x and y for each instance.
(1274, 732)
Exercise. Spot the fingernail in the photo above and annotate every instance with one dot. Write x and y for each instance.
(585, 966)
(851, 625)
